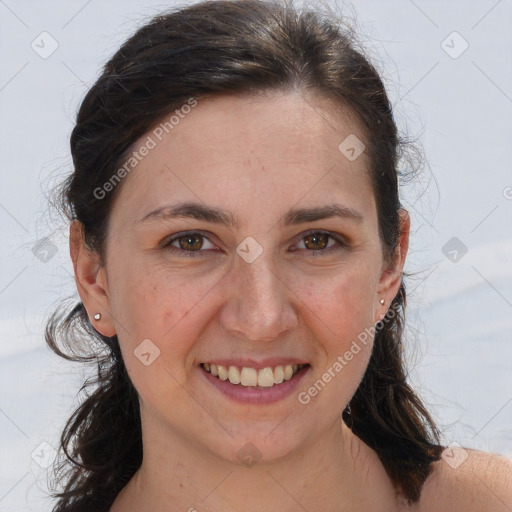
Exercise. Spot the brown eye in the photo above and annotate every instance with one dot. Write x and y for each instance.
(316, 241)
(190, 242)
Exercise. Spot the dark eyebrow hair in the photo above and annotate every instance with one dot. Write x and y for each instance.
(218, 216)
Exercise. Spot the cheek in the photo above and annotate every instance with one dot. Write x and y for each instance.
(342, 302)
(162, 307)
(339, 314)
(160, 304)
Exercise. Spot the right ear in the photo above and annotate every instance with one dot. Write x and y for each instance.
(91, 280)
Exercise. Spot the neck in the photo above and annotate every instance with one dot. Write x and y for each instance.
(335, 472)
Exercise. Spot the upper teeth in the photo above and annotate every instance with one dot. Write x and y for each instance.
(265, 377)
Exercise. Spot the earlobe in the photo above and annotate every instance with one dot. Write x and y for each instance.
(391, 277)
(91, 281)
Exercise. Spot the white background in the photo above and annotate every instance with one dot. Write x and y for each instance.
(458, 109)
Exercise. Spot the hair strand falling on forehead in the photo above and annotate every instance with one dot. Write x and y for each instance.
(203, 50)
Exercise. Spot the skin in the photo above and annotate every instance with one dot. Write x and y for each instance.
(257, 157)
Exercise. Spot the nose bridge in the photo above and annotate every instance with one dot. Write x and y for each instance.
(259, 306)
(261, 281)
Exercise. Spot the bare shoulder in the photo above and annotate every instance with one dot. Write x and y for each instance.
(468, 480)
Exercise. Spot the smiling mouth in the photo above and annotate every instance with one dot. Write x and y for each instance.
(251, 377)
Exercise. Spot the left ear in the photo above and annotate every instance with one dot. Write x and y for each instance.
(391, 277)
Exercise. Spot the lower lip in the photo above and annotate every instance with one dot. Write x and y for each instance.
(256, 394)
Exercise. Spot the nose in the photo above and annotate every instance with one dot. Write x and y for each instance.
(259, 305)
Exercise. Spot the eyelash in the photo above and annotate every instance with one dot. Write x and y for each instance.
(195, 254)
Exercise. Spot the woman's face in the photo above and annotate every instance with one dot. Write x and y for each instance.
(240, 278)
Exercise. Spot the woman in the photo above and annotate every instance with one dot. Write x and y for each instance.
(238, 245)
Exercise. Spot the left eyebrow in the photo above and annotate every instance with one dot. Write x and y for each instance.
(218, 216)
(301, 215)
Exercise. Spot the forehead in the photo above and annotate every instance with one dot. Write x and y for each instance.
(259, 151)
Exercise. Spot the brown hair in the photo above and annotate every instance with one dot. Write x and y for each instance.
(207, 49)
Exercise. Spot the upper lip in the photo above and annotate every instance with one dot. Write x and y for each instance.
(256, 363)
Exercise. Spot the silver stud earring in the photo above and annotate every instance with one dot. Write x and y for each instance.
(382, 301)
(97, 316)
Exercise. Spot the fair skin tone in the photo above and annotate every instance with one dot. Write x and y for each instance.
(304, 299)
